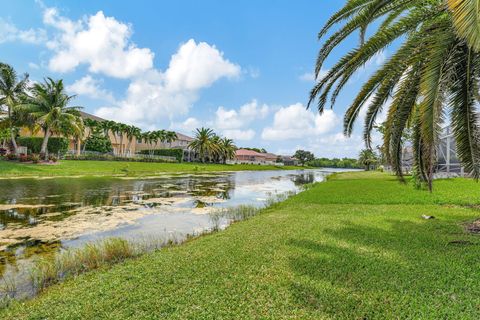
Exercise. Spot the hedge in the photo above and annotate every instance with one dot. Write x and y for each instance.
(177, 153)
(109, 157)
(56, 145)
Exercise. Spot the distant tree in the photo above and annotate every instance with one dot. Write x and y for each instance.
(12, 89)
(203, 143)
(368, 158)
(49, 106)
(304, 156)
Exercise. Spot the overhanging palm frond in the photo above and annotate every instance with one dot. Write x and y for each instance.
(466, 18)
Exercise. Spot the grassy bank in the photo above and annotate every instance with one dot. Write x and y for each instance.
(116, 168)
(354, 247)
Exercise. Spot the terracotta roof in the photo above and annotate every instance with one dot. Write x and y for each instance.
(181, 136)
(245, 152)
(90, 116)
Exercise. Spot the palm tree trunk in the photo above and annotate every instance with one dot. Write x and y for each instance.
(12, 134)
(79, 146)
(43, 149)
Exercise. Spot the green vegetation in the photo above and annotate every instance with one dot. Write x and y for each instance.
(211, 147)
(354, 247)
(432, 71)
(34, 144)
(98, 143)
(349, 163)
(304, 156)
(177, 153)
(117, 168)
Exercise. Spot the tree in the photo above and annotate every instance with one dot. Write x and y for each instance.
(132, 132)
(170, 136)
(12, 89)
(367, 159)
(92, 125)
(304, 156)
(203, 143)
(48, 106)
(227, 149)
(434, 70)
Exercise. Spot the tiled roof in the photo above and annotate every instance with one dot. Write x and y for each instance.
(85, 115)
(181, 136)
(245, 152)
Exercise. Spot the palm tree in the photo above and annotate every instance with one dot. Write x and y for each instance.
(11, 90)
(228, 149)
(92, 125)
(122, 130)
(49, 107)
(435, 69)
(367, 158)
(203, 144)
(132, 132)
(170, 136)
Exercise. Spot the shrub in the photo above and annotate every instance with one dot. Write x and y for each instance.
(3, 151)
(11, 156)
(98, 143)
(35, 158)
(109, 157)
(177, 153)
(24, 158)
(52, 158)
(34, 144)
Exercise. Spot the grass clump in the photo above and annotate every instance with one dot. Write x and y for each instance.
(73, 262)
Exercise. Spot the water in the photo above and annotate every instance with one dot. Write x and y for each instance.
(39, 217)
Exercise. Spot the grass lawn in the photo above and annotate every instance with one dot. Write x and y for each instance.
(354, 247)
(114, 168)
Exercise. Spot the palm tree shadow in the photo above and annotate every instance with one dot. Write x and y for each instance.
(360, 270)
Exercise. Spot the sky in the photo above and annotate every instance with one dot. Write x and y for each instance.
(243, 68)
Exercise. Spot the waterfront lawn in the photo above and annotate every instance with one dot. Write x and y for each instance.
(116, 168)
(354, 247)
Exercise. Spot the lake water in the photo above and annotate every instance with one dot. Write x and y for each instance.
(39, 217)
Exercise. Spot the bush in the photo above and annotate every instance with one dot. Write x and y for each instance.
(177, 153)
(34, 144)
(97, 143)
(35, 158)
(109, 157)
(3, 151)
(52, 158)
(24, 158)
(11, 156)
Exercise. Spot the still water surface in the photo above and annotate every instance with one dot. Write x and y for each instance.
(39, 217)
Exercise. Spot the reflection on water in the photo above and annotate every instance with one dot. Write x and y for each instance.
(39, 217)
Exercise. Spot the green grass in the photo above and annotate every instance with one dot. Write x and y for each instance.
(354, 247)
(116, 168)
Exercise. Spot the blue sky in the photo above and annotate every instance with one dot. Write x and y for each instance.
(242, 68)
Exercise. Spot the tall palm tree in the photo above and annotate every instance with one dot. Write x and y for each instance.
(227, 149)
(203, 144)
(48, 105)
(122, 131)
(132, 132)
(170, 136)
(436, 69)
(12, 88)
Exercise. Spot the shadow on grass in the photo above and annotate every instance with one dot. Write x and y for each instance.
(404, 271)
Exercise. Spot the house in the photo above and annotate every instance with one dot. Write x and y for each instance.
(249, 156)
(271, 157)
(289, 161)
(181, 142)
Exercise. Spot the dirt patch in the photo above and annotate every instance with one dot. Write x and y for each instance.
(473, 227)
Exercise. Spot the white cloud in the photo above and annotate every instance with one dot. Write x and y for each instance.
(9, 33)
(157, 96)
(296, 122)
(103, 43)
(237, 134)
(310, 76)
(90, 87)
(238, 119)
(189, 125)
(33, 65)
(196, 66)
